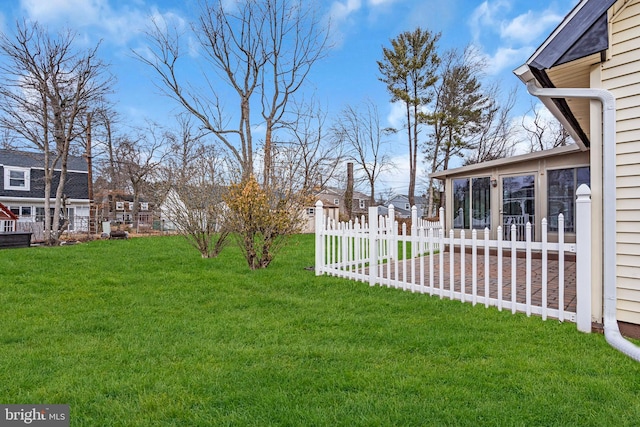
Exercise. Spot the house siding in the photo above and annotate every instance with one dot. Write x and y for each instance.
(75, 186)
(619, 75)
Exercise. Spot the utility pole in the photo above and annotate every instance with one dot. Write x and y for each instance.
(92, 206)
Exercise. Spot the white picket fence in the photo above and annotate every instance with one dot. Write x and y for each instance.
(508, 274)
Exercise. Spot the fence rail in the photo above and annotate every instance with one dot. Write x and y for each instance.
(521, 276)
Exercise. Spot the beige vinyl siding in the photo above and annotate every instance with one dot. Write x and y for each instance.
(620, 76)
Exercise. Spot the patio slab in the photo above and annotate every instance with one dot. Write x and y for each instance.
(553, 274)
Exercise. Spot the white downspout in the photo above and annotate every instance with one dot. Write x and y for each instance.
(611, 330)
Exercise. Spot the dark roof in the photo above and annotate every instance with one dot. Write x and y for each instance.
(582, 33)
(27, 159)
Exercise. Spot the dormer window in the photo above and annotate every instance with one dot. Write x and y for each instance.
(16, 179)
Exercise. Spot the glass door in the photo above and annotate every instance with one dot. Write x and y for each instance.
(518, 205)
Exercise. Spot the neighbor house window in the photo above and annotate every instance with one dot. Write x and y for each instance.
(16, 179)
(362, 205)
(311, 211)
(562, 187)
(120, 206)
(472, 203)
(144, 206)
(40, 214)
(22, 211)
(336, 202)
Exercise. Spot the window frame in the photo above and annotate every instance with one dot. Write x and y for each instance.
(468, 203)
(569, 222)
(26, 177)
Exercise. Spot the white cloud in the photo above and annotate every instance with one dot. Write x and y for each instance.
(72, 10)
(487, 16)
(505, 58)
(397, 115)
(374, 3)
(340, 16)
(116, 25)
(528, 26)
(340, 11)
(508, 40)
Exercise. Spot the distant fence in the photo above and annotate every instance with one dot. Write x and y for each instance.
(521, 276)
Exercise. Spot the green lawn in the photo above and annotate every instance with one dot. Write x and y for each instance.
(146, 333)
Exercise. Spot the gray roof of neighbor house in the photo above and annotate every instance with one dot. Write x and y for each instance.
(35, 160)
(580, 40)
(418, 199)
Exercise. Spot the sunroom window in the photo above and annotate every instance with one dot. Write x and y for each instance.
(562, 187)
(472, 203)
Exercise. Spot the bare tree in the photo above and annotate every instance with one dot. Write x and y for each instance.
(308, 159)
(195, 189)
(363, 137)
(544, 133)
(261, 50)
(496, 135)
(47, 88)
(138, 159)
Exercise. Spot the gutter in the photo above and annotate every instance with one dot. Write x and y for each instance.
(611, 331)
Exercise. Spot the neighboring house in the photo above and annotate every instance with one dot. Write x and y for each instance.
(335, 197)
(402, 207)
(596, 46)
(335, 207)
(22, 188)
(331, 211)
(118, 207)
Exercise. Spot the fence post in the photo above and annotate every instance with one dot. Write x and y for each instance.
(441, 217)
(583, 258)
(391, 241)
(320, 224)
(373, 245)
(414, 219)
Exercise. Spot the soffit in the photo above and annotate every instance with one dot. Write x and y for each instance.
(576, 74)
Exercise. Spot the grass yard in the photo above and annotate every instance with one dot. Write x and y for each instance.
(144, 332)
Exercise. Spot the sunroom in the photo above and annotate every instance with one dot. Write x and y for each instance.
(516, 191)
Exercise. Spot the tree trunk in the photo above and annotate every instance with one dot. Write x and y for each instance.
(412, 178)
(348, 195)
(267, 156)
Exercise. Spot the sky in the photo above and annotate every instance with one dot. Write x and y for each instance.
(506, 32)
